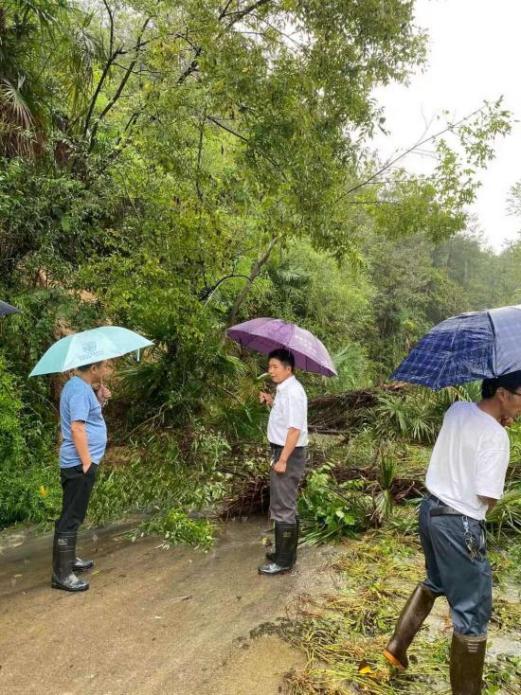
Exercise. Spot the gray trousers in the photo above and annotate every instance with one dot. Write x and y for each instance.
(284, 486)
(464, 577)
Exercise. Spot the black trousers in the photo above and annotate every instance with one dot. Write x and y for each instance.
(77, 487)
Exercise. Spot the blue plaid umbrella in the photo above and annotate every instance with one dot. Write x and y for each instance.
(477, 345)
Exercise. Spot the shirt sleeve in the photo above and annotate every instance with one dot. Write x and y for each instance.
(297, 411)
(79, 405)
(491, 470)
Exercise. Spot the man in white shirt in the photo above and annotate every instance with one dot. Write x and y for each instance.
(288, 437)
(465, 478)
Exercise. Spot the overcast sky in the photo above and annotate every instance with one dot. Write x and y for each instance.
(474, 54)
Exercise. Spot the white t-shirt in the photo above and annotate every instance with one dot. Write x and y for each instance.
(470, 458)
(290, 409)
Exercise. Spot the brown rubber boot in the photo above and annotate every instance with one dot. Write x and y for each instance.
(415, 611)
(467, 656)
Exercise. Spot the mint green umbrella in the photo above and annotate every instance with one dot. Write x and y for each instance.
(95, 345)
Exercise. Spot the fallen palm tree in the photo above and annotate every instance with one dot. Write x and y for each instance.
(340, 413)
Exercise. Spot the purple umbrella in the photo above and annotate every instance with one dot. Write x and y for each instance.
(264, 335)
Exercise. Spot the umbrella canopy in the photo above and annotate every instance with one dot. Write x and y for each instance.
(6, 308)
(477, 345)
(95, 345)
(265, 334)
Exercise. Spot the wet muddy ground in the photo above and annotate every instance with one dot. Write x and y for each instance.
(155, 620)
(181, 622)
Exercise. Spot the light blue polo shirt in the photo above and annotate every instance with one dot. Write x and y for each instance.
(78, 402)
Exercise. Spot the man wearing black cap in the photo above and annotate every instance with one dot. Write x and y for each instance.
(465, 478)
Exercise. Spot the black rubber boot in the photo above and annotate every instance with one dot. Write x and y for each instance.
(294, 541)
(415, 611)
(467, 656)
(80, 565)
(64, 551)
(285, 537)
(272, 555)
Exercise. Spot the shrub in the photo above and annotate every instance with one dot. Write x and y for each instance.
(24, 491)
(329, 510)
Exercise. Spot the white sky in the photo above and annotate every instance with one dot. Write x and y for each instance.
(474, 54)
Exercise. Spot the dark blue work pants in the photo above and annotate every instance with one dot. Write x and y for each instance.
(462, 575)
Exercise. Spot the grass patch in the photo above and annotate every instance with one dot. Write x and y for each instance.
(343, 635)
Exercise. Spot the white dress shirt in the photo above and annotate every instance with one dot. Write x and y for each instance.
(290, 409)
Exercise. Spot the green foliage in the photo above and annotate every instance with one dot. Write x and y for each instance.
(176, 527)
(241, 420)
(504, 676)
(26, 489)
(176, 169)
(411, 417)
(343, 634)
(330, 511)
(208, 448)
(11, 436)
(166, 475)
(133, 486)
(417, 414)
(354, 369)
(29, 491)
(506, 515)
(404, 520)
(514, 555)
(131, 480)
(387, 470)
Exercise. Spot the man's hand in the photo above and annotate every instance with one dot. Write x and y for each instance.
(489, 501)
(79, 437)
(287, 450)
(265, 398)
(103, 394)
(280, 466)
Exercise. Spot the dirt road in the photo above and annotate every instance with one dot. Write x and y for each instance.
(155, 621)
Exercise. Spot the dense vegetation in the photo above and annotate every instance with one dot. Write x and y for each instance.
(177, 167)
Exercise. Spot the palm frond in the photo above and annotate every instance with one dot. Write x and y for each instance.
(13, 104)
(506, 515)
(44, 11)
(84, 48)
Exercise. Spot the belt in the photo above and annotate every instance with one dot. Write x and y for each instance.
(280, 446)
(443, 509)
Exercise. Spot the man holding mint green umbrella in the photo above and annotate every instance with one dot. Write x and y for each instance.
(83, 430)
(84, 440)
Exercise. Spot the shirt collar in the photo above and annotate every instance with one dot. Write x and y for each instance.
(286, 383)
